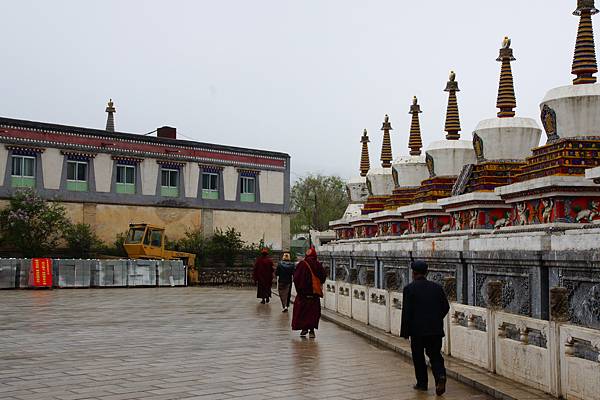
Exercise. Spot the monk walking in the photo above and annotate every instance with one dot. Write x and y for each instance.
(263, 276)
(308, 280)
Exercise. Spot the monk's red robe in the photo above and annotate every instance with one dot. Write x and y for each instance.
(307, 305)
(263, 276)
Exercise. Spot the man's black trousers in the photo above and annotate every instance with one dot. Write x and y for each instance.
(432, 346)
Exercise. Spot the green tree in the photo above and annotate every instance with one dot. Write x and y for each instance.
(32, 225)
(81, 240)
(316, 200)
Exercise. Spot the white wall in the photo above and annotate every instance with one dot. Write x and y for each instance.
(271, 187)
(3, 160)
(149, 170)
(52, 162)
(103, 166)
(191, 174)
(230, 180)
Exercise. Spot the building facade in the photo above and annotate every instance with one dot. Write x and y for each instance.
(109, 179)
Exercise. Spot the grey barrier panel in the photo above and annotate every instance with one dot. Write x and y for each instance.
(110, 273)
(23, 268)
(579, 273)
(364, 264)
(445, 264)
(141, 273)
(171, 273)
(8, 273)
(524, 280)
(72, 273)
(395, 269)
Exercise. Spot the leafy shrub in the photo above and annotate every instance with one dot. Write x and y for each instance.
(225, 245)
(81, 240)
(116, 249)
(32, 225)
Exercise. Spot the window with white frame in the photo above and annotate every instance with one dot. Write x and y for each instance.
(248, 189)
(125, 179)
(23, 171)
(210, 185)
(169, 182)
(77, 175)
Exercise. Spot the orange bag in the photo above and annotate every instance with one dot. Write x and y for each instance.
(317, 286)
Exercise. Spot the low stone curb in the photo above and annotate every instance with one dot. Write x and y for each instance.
(479, 378)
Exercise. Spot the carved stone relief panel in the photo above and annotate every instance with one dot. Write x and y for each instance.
(342, 270)
(583, 293)
(516, 293)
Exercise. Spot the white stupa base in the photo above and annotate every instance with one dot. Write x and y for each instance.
(449, 156)
(577, 109)
(508, 138)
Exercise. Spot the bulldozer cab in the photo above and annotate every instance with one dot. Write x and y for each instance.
(145, 241)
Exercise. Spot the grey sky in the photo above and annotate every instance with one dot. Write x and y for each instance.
(303, 77)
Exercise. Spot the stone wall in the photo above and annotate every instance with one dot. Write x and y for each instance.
(527, 265)
(237, 276)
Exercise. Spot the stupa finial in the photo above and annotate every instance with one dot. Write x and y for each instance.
(584, 60)
(365, 163)
(386, 148)
(452, 117)
(507, 101)
(110, 120)
(414, 140)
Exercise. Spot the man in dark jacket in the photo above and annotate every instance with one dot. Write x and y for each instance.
(424, 306)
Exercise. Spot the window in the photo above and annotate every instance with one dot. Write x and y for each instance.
(135, 235)
(210, 186)
(248, 192)
(77, 176)
(23, 171)
(125, 179)
(169, 182)
(153, 238)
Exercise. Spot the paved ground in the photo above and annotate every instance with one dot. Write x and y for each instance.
(179, 343)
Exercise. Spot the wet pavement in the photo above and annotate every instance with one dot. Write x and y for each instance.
(185, 343)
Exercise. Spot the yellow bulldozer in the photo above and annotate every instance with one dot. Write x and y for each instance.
(147, 242)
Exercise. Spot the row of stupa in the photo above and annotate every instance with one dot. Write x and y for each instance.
(502, 179)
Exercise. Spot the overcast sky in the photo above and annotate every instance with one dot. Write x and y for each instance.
(299, 76)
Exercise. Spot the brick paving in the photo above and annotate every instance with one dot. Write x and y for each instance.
(185, 343)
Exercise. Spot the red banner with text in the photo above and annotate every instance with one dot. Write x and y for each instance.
(41, 272)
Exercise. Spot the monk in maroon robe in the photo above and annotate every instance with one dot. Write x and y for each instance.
(263, 276)
(307, 305)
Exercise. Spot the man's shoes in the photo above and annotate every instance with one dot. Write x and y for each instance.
(311, 334)
(284, 310)
(262, 301)
(303, 333)
(440, 386)
(267, 299)
(420, 388)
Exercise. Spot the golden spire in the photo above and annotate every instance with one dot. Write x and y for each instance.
(452, 117)
(110, 120)
(414, 140)
(584, 60)
(365, 164)
(506, 91)
(386, 148)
